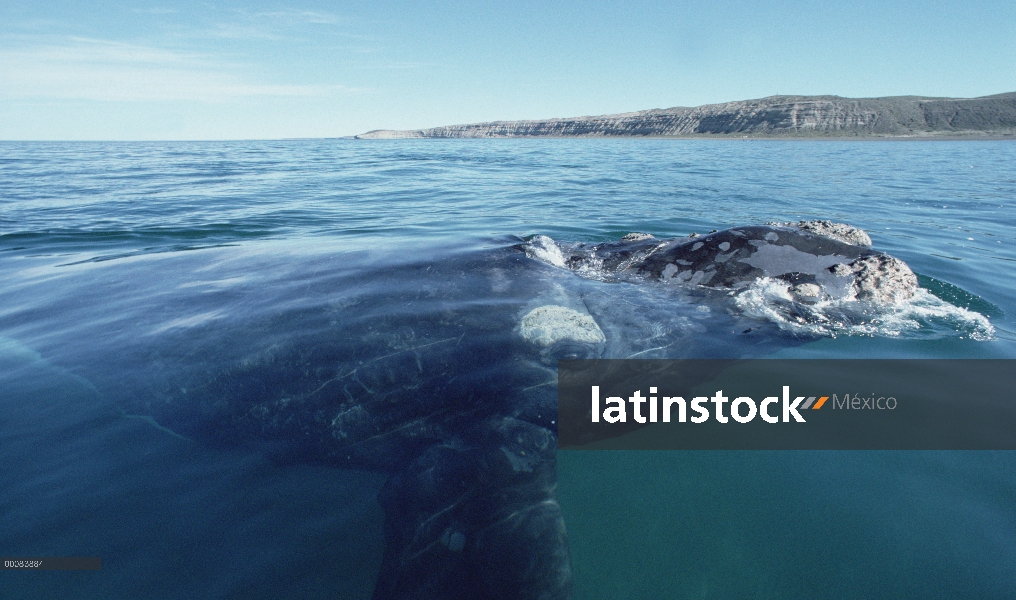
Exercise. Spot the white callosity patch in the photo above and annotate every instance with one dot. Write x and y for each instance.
(552, 324)
(882, 279)
(637, 237)
(836, 231)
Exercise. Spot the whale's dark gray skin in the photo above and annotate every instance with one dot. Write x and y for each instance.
(440, 372)
(419, 372)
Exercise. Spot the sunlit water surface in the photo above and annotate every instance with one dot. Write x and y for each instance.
(118, 261)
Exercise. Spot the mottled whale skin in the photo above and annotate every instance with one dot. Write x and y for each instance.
(442, 375)
(831, 262)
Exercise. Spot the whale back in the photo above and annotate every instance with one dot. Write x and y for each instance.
(818, 264)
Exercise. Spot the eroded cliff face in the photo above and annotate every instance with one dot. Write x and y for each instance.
(789, 116)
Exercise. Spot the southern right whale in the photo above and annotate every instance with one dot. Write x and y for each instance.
(441, 373)
(821, 260)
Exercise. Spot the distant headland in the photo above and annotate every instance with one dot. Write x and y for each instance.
(771, 117)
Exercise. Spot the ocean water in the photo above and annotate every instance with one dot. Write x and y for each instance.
(148, 290)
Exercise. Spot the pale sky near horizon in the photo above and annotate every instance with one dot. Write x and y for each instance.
(111, 70)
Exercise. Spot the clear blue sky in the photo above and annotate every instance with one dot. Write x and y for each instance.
(213, 70)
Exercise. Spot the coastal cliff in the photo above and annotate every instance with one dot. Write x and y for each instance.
(774, 116)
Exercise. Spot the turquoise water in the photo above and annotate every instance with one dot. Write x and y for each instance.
(131, 271)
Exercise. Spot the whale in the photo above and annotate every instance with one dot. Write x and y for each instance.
(441, 373)
(820, 260)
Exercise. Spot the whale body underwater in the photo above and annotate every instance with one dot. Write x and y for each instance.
(443, 375)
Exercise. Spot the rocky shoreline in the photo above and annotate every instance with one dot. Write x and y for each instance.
(910, 117)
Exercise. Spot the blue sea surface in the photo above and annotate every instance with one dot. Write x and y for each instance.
(129, 271)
